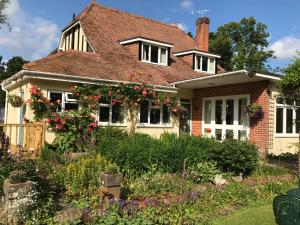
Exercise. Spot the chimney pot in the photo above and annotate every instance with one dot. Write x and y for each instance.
(202, 33)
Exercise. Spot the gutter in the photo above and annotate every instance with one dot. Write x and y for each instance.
(248, 73)
(26, 74)
(6, 103)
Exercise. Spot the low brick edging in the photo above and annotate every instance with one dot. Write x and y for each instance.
(259, 130)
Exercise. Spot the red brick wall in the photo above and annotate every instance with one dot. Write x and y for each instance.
(259, 131)
(188, 58)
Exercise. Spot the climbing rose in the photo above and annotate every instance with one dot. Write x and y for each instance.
(58, 126)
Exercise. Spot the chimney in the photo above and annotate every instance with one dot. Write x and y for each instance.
(202, 34)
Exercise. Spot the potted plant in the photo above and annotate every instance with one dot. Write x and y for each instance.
(111, 176)
(15, 100)
(255, 111)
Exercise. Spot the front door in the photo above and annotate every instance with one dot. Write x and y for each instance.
(185, 117)
(225, 117)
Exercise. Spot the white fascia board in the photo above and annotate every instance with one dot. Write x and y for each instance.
(210, 77)
(268, 76)
(197, 52)
(26, 74)
(146, 41)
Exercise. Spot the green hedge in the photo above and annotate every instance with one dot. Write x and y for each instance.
(138, 153)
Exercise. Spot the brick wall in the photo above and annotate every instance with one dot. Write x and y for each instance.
(260, 130)
(134, 49)
(188, 58)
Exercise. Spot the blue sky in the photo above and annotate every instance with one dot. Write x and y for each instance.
(36, 24)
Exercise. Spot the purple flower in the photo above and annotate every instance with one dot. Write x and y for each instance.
(194, 195)
(134, 203)
(122, 203)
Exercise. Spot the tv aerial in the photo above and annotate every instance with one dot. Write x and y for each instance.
(201, 13)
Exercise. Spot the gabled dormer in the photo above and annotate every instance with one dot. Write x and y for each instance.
(149, 51)
(73, 38)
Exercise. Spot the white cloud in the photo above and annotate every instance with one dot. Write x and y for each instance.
(182, 26)
(187, 5)
(286, 48)
(30, 37)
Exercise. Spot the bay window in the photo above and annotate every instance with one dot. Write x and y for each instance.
(151, 114)
(67, 101)
(110, 113)
(287, 117)
(205, 64)
(154, 54)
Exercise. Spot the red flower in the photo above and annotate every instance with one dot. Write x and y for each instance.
(55, 114)
(90, 130)
(114, 101)
(48, 120)
(91, 98)
(58, 126)
(93, 125)
(77, 94)
(62, 121)
(145, 92)
(207, 130)
(56, 119)
(174, 110)
(136, 88)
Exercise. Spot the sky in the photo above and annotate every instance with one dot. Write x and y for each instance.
(36, 24)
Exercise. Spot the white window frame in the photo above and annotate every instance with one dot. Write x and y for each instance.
(285, 107)
(64, 99)
(159, 54)
(109, 123)
(148, 124)
(235, 127)
(208, 64)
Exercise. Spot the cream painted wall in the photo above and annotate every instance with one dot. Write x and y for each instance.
(279, 144)
(46, 86)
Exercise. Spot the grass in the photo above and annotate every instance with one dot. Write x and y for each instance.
(262, 215)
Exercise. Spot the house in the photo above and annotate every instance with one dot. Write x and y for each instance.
(107, 45)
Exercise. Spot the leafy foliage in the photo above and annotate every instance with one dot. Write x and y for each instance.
(203, 172)
(242, 45)
(3, 17)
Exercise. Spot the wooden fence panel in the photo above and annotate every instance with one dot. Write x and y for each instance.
(28, 137)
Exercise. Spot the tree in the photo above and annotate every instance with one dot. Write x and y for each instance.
(8, 69)
(243, 45)
(290, 88)
(3, 17)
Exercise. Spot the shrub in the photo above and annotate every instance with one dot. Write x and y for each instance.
(235, 156)
(82, 175)
(203, 172)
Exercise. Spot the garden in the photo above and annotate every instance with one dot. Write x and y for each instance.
(170, 180)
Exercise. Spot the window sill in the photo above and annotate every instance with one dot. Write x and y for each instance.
(154, 126)
(157, 64)
(112, 125)
(286, 136)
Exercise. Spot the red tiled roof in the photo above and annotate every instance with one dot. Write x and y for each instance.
(104, 28)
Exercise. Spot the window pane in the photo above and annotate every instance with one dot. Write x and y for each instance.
(204, 63)
(154, 54)
(154, 116)
(163, 56)
(198, 64)
(297, 120)
(166, 114)
(212, 65)
(289, 121)
(117, 115)
(71, 106)
(104, 114)
(279, 120)
(144, 112)
(219, 134)
(242, 135)
(207, 112)
(218, 112)
(229, 111)
(242, 111)
(146, 52)
(229, 134)
(55, 98)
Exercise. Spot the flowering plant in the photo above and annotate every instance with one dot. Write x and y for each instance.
(255, 111)
(38, 103)
(15, 100)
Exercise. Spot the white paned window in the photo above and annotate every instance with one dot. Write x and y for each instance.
(205, 64)
(154, 54)
(67, 100)
(110, 113)
(226, 117)
(287, 116)
(151, 114)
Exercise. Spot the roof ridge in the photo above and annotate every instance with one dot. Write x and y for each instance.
(133, 15)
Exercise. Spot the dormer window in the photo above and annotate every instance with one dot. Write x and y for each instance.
(150, 51)
(154, 54)
(205, 64)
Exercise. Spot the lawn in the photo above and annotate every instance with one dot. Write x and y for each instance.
(262, 215)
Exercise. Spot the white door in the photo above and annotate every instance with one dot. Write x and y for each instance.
(225, 117)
